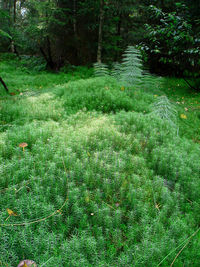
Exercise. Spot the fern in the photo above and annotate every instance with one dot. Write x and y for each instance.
(165, 110)
(100, 69)
(116, 71)
(131, 71)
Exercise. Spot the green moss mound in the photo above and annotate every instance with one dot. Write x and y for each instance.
(102, 182)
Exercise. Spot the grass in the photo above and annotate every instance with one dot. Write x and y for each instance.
(103, 181)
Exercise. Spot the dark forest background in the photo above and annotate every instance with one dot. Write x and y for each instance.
(82, 32)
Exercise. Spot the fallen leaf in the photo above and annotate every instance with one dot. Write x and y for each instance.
(183, 116)
(157, 206)
(59, 212)
(11, 212)
(122, 88)
(186, 109)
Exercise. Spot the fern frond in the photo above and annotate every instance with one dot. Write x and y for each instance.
(100, 69)
(163, 108)
(116, 71)
(131, 66)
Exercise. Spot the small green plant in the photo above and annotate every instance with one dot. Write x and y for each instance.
(163, 108)
(116, 71)
(131, 70)
(100, 69)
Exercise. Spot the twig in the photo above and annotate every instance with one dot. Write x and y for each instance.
(66, 174)
(178, 246)
(22, 187)
(38, 220)
(184, 247)
(4, 85)
(189, 84)
(46, 262)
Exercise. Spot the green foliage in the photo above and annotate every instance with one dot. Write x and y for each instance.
(131, 71)
(100, 69)
(5, 34)
(165, 109)
(172, 43)
(132, 185)
(33, 63)
(116, 71)
(101, 94)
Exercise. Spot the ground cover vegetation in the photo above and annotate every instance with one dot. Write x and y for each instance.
(104, 180)
(99, 162)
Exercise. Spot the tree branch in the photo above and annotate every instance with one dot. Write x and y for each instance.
(189, 84)
(4, 85)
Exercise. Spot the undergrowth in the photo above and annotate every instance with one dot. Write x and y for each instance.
(103, 181)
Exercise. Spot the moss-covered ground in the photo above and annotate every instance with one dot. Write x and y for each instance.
(102, 182)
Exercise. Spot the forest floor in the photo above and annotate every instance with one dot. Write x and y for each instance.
(103, 181)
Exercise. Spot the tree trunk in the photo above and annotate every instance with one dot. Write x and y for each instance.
(118, 34)
(12, 45)
(4, 85)
(14, 12)
(74, 19)
(48, 58)
(51, 63)
(101, 18)
(162, 4)
(5, 5)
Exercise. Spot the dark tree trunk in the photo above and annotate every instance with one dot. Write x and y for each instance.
(4, 85)
(13, 46)
(14, 12)
(49, 61)
(118, 34)
(74, 19)
(101, 18)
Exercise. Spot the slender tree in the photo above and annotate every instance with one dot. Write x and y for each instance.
(101, 18)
